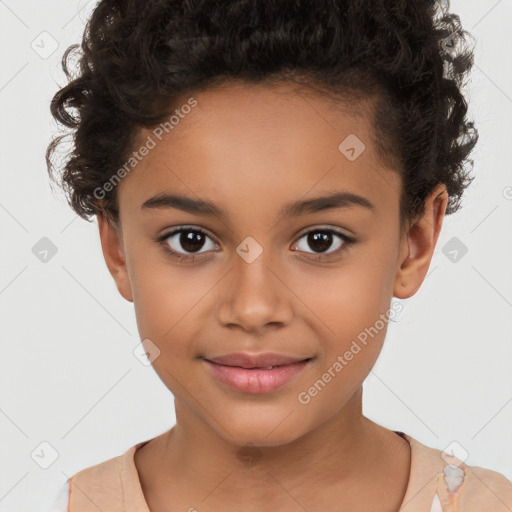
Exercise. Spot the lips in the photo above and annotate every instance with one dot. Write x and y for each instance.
(256, 377)
(266, 360)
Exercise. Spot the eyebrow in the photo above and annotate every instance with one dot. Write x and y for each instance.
(295, 209)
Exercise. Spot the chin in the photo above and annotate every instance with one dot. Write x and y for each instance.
(268, 432)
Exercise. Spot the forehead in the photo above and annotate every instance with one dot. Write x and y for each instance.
(245, 142)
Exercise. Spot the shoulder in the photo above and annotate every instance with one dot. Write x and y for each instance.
(109, 470)
(489, 489)
(111, 485)
(457, 485)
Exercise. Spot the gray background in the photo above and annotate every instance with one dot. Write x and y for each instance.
(68, 374)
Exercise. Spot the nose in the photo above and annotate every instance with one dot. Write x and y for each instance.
(254, 296)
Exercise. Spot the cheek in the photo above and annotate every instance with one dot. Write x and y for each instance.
(168, 300)
(351, 307)
(349, 298)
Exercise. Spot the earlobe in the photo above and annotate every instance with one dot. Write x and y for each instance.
(113, 253)
(418, 245)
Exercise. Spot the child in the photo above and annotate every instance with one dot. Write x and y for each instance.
(258, 130)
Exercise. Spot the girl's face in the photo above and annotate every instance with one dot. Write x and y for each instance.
(271, 267)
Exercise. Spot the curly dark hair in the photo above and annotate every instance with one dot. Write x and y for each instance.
(137, 56)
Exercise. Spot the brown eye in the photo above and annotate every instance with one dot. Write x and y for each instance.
(320, 240)
(184, 242)
(191, 241)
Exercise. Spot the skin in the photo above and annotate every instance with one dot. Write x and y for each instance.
(253, 149)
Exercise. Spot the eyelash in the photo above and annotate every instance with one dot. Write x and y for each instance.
(347, 242)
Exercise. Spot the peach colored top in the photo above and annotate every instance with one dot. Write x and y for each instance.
(434, 485)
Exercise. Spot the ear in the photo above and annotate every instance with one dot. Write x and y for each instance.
(418, 244)
(113, 252)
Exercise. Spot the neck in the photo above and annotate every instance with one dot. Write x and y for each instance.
(343, 457)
